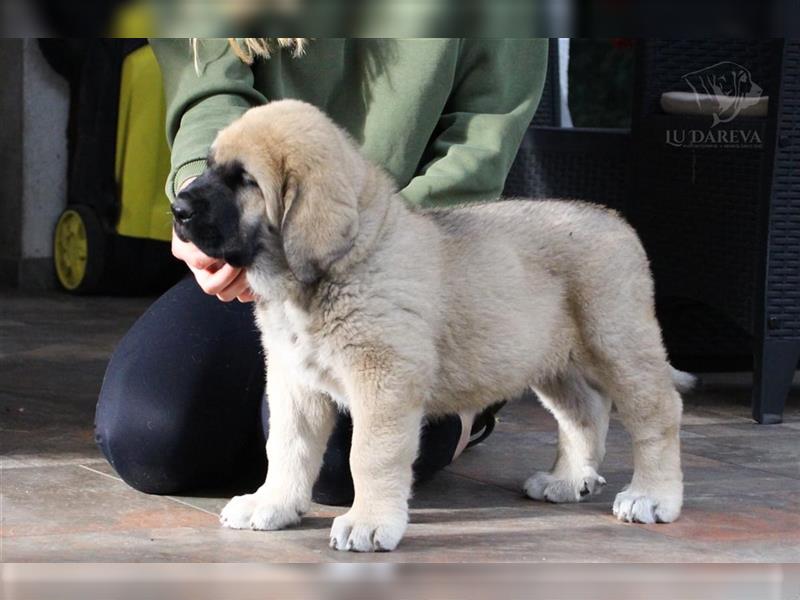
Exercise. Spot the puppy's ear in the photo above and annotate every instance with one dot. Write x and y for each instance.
(320, 223)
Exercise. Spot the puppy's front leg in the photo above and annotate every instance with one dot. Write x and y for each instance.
(300, 423)
(386, 429)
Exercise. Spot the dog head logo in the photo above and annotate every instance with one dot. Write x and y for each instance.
(728, 86)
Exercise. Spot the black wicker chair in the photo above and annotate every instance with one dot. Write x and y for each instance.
(556, 162)
(721, 223)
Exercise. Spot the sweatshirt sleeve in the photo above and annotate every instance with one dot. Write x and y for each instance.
(496, 90)
(202, 97)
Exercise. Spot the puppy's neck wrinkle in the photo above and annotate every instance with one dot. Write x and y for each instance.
(375, 204)
(385, 204)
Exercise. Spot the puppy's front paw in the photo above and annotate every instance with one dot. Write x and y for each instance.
(642, 506)
(360, 532)
(254, 511)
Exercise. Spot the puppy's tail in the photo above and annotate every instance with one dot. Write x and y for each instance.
(684, 382)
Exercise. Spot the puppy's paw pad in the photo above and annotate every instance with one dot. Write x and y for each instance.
(357, 534)
(550, 488)
(633, 506)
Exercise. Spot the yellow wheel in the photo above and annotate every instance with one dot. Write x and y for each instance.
(78, 249)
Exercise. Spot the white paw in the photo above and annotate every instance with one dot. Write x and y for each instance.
(254, 511)
(551, 488)
(368, 532)
(638, 506)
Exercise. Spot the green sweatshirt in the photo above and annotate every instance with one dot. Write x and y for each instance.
(444, 117)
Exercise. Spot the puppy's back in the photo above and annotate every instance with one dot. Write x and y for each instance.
(546, 230)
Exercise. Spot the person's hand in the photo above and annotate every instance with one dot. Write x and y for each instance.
(214, 276)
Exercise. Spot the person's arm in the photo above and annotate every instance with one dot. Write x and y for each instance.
(200, 101)
(497, 88)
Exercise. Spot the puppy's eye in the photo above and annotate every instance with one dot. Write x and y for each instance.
(249, 180)
(272, 229)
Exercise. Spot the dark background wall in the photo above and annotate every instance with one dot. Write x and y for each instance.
(10, 157)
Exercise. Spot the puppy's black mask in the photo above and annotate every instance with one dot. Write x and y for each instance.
(208, 213)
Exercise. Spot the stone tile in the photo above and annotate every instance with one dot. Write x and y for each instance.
(454, 518)
(568, 537)
(86, 500)
(738, 429)
(62, 501)
(525, 414)
(747, 529)
(433, 500)
(162, 545)
(777, 453)
(65, 379)
(725, 398)
(506, 459)
(41, 429)
(76, 514)
(211, 503)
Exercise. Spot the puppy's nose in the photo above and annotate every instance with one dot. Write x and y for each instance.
(182, 210)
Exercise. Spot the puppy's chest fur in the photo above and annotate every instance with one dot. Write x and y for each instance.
(299, 338)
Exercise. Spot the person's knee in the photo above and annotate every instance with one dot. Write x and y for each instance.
(179, 401)
(138, 442)
(139, 462)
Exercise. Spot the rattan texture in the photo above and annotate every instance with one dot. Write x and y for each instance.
(699, 211)
(576, 164)
(783, 273)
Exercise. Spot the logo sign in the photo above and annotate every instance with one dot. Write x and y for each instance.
(724, 91)
(728, 86)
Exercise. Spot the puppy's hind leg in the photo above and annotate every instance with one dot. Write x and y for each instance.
(632, 369)
(650, 408)
(582, 414)
(621, 334)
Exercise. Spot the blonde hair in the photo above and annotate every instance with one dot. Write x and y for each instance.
(248, 49)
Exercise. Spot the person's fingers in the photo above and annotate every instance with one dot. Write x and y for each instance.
(201, 262)
(237, 287)
(200, 276)
(191, 254)
(214, 276)
(215, 282)
(247, 296)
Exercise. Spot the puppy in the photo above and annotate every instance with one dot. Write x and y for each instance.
(393, 313)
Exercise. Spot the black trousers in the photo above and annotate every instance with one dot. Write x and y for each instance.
(182, 406)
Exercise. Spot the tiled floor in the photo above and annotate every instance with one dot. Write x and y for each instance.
(61, 501)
